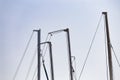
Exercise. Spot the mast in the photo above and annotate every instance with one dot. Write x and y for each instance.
(38, 50)
(51, 59)
(69, 50)
(109, 47)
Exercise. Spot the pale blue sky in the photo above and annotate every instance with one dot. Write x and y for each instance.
(19, 17)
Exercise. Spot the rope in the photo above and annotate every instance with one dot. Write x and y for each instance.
(34, 73)
(44, 50)
(115, 56)
(45, 47)
(18, 67)
(45, 70)
(36, 77)
(33, 58)
(89, 49)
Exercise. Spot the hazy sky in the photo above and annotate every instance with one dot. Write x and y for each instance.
(19, 17)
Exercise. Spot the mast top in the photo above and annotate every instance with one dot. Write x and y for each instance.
(109, 47)
(104, 12)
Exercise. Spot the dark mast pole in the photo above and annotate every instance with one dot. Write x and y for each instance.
(51, 58)
(69, 51)
(38, 50)
(109, 47)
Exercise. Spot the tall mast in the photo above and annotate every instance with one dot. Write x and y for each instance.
(51, 61)
(69, 50)
(51, 58)
(38, 51)
(109, 47)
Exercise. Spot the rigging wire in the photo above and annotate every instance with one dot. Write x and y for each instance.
(44, 50)
(36, 76)
(45, 44)
(115, 55)
(43, 53)
(89, 49)
(33, 58)
(45, 69)
(106, 52)
(18, 67)
(74, 68)
(34, 73)
(45, 47)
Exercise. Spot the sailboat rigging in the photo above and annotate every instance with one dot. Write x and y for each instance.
(71, 69)
(109, 47)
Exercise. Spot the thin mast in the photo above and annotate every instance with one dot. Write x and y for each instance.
(69, 50)
(38, 50)
(51, 59)
(109, 47)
